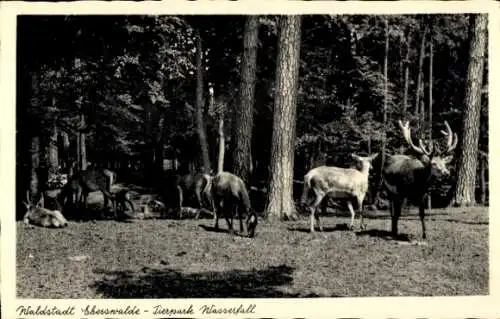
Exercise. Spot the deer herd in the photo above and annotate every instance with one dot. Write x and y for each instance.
(404, 177)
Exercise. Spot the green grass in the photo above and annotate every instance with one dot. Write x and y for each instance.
(181, 259)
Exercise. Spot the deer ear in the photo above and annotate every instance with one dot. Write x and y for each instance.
(448, 159)
(356, 157)
(374, 156)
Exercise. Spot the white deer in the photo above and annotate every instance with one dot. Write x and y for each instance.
(340, 183)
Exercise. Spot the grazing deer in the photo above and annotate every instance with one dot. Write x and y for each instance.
(40, 216)
(93, 179)
(229, 194)
(406, 177)
(340, 183)
(191, 186)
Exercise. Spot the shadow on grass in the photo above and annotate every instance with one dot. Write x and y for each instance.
(466, 222)
(220, 230)
(384, 234)
(338, 227)
(169, 283)
(382, 214)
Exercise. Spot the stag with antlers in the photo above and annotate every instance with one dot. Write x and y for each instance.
(408, 177)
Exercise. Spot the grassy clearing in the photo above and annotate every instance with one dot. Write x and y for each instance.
(174, 259)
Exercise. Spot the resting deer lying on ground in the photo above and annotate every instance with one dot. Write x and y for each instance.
(229, 195)
(340, 183)
(406, 177)
(40, 216)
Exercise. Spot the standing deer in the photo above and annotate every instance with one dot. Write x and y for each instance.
(406, 177)
(340, 183)
(40, 216)
(189, 188)
(93, 179)
(230, 195)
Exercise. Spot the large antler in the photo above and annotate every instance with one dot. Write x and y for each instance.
(452, 140)
(407, 136)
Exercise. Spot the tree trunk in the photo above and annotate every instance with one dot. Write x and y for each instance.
(82, 150)
(52, 150)
(159, 146)
(467, 161)
(78, 155)
(221, 137)
(148, 153)
(401, 63)
(244, 115)
(280, 202)
(200, 123)
(431, 53)
(384, 120)
(407, 74)
(34, 166)
(420, 74)
(222, 145)
(64, 153)
(482, 176)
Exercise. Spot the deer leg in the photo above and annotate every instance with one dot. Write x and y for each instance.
(180, 198)
(323, 205)
(313, 207)
(85, 205)
(233, 212)
(132, 208)
(198, 197)
(228, 209)
(422, 217)
(240, 207)
(106, 200)
(199, 200)
(362, 225)
(217, 211)
(397, 204)
(81, 199)
(216, 217)
(353, 214)
(107, 196)
(391, 207)
(311, 212)
(76, 204)
(212, 205)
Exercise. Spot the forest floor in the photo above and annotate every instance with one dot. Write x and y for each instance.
(167, 258)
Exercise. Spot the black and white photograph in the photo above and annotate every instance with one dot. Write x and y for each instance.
(251, 156)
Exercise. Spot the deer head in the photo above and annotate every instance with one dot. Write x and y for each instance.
(365, 161)
(431, 155)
